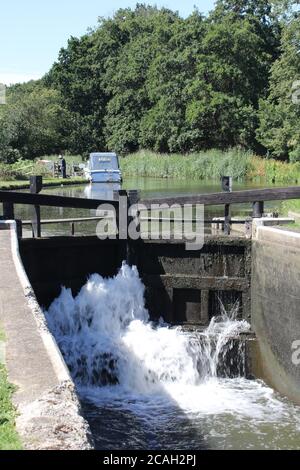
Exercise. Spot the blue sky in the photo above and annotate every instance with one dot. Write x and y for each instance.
(33, 31)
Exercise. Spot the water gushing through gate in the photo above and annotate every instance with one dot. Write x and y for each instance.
(106, 338)
(158, 378)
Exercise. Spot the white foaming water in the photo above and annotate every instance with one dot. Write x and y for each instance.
(118, 358)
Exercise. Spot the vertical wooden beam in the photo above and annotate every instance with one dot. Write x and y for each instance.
(19, 228)
(258, 209)
(226, 182)
(36, 185)
(8, 211)
(227, 220)
(204, 320)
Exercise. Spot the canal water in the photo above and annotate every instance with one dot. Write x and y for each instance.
(149, 187)
(152, 386)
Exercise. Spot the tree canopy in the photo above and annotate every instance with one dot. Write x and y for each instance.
(147, 78)
(279, 129)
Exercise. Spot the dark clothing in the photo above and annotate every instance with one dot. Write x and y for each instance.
(63, 168)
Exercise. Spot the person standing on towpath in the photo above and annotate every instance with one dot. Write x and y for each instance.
(63, 167)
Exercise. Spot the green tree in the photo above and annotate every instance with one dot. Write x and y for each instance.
(33, 123)
(279, 114)
(149, 31)
(164, 126)
(231, 75)
(77, 77)
(148, 78)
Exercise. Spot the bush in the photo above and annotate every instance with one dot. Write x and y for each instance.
(7, 173)
(22, 169)
(294, 156)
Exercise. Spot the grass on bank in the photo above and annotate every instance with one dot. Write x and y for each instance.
(69, 158)
(210, 164)
(9, 439)
(21, 170)
(16, 175)
(292, 205)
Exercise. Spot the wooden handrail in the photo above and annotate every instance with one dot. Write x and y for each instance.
(255, 196)
(14, 197)
(210, 199)
(235, 197)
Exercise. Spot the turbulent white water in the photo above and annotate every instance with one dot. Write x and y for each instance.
(161, 375)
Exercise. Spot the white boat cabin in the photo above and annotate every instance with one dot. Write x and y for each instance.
(104, 168)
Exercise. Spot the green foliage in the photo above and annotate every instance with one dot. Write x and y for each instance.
(291, 205)
(147, 78)
(279, 114)
(210, 165)
(9, 439)
(22, 169)
(294, 155)
(69, 158)
(18, 173)
(281, 172)
(204, 165)
(32, 123)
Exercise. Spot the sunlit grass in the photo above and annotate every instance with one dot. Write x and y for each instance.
(212, 164)
(9, 439)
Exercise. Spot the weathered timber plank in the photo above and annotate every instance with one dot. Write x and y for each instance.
(176, 281)
(236, 197)
(53, 201)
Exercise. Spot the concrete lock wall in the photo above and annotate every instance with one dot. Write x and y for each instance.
(49, 413)
(276, 309)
